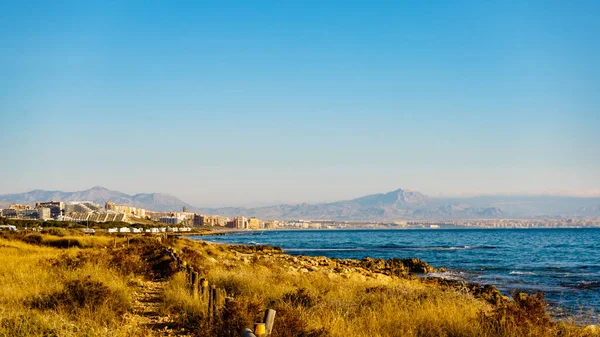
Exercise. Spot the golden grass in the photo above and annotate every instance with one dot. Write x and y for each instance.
(49, 291)
(31, 280)
(327, 304)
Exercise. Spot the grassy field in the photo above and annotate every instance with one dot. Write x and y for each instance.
(321, 303)
(50, 291)
(87, 286)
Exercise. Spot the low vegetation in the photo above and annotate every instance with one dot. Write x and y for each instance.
(87, 286)
(314, 299)
(54, 289)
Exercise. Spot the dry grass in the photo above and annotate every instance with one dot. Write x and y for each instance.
(42, 295)
(50, 291)
(328, 304)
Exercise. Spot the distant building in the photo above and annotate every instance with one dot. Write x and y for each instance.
(56, 207)
(185, 209)
(29, 214)
(44, 213)
(240, 222)
(9, 213)
(19, 207)
(82, 207)
(171, 220)
(198, 220)
(209, 220)
(125, 209)
(254, 223)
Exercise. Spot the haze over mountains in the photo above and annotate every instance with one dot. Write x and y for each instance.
(391, 206)
(153, 201)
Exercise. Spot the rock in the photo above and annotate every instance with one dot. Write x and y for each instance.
(415, 265)
(395, 267)
(373, 264)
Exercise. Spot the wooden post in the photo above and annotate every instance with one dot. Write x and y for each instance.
(204, 288)
(211, 303)
(195, 285)
(223, 297)
(259, 329)
(189, 276)
(269, 321)
(218, 300)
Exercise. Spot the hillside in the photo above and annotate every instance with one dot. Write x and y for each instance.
(391, 206)
(153, 201)
(413, 205)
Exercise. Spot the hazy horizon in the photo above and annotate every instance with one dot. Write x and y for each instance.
(266, 103)
(591, 194)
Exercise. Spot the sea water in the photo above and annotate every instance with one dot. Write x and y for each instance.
(563, 264)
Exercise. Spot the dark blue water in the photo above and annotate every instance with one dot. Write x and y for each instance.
(563, 264)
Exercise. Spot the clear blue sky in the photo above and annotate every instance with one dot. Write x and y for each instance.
(255, 102)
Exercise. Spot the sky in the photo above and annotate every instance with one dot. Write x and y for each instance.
(259, 102)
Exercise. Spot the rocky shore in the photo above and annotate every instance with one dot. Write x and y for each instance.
(330, 295)
(367, 268)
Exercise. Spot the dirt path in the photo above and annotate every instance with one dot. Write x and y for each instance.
(146, 311)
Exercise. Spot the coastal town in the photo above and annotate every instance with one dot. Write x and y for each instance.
(184, 220)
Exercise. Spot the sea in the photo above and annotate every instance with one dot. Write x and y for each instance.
(562, 264)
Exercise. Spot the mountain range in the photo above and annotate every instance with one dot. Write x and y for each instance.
(394, 205)
(158, 202)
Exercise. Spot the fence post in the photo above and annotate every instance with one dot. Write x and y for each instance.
(218, 300)
(204, 289)
(211, 303)
(195, 284)
(189, 275)
(222, 297)
(269, 321)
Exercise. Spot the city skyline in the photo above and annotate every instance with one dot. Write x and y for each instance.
(256, 104)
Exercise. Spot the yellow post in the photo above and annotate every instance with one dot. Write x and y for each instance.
(259, 329)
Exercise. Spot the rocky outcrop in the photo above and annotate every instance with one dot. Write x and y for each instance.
(366, 268)
(486, 292)
(397, 267)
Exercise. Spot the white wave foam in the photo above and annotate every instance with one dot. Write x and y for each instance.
(514, 272)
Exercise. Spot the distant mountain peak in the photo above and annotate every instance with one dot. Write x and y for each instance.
(99, 195)
(399, 204)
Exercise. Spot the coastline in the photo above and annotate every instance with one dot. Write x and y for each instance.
(561, 309)
(313, 295)
(385, 273)
(368, 267)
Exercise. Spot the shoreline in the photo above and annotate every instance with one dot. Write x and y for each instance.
(488, 291)
(313, 296)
